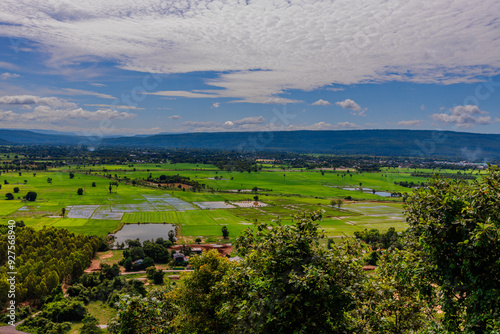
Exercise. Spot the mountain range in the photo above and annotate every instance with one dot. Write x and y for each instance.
(425, 143)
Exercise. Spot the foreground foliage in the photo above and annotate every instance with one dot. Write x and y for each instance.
(456, 230)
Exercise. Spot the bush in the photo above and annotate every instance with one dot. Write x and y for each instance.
(80, 191)
(158, 277)
(16, 190)
(9, 196)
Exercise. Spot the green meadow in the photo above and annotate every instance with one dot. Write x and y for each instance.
(283, 192)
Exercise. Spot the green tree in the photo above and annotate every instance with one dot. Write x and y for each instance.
(143, 315)
(225, 232)
(288, 283)
(90, 324)
(158, 277)
(9, 196)
(63, 212)
(31, 196)
(16, 190)
(80, 191)
(171, 236)
(195, 298)
(456, 229)
(128, 264)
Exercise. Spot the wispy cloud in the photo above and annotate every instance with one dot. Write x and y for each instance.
(113, 106)
(72, 91)
(175, 117)
(7, 75)
(216, 105)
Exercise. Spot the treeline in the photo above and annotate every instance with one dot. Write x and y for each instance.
(410, 184)
(453, 176)
(44, 259)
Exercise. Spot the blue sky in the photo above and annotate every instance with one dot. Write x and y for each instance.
(144, 67)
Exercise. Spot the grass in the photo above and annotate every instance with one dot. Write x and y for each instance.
(101, 311)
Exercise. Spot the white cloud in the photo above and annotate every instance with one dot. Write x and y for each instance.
(72, 91)
(89, 131)
(181, 93)
(112, 106)
(244, 124)
(411, 123)
(348, 125)
(7, 75)
(334, 89)
(53, 102)
(349, 104)
(47, 114)
(250, 120)
(464, 116)
(264, 48)
(321, 102)
(216, 105)
(98, 84)
(9, 66)
(175, 117)
(422, 107)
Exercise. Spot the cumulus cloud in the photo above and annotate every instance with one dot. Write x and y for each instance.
(72, 91)
(250, 120)
(411, 123)
(261, 49)
(7, 75)
(349, 104)
(244, 124)
(321, 102)
(464, 116)
(175, 117)
(36, 100)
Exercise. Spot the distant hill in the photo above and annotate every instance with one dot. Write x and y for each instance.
(469, 146)
(25, 137)
(462, 145)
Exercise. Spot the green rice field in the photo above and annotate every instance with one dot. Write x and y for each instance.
(282, 194)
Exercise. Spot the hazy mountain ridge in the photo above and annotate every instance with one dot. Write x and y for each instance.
(468, 146)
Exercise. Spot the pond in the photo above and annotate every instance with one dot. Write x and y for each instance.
(370, 191)
(143, 232)
(365, 190)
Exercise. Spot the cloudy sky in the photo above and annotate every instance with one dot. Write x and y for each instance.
(141, 67)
